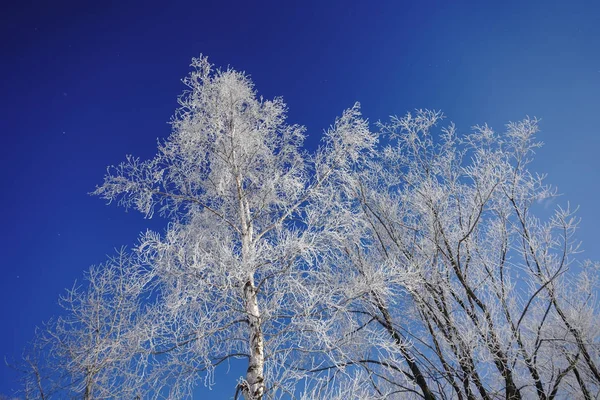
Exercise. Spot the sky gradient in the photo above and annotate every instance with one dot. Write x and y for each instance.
(85, 83)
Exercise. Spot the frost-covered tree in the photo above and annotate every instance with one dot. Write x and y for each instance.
(457, 290)
(90, 351)
(232, 269)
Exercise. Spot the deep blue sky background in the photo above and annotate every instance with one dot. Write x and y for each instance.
(84, 83)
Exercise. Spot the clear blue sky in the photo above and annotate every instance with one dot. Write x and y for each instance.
(84, 83)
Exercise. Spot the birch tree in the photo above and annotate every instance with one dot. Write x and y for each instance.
(457, 289)
(89, 351)
(233, 267)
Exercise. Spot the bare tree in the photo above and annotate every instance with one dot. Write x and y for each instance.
(232, 268)
(88, 352)
(454, 284)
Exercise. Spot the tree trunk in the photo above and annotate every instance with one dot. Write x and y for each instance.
(255, 376)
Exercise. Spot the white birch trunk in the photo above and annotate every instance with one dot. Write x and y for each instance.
(254, 375)
(254, 387)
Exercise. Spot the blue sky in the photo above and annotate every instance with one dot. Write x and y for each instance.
(84, 83)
